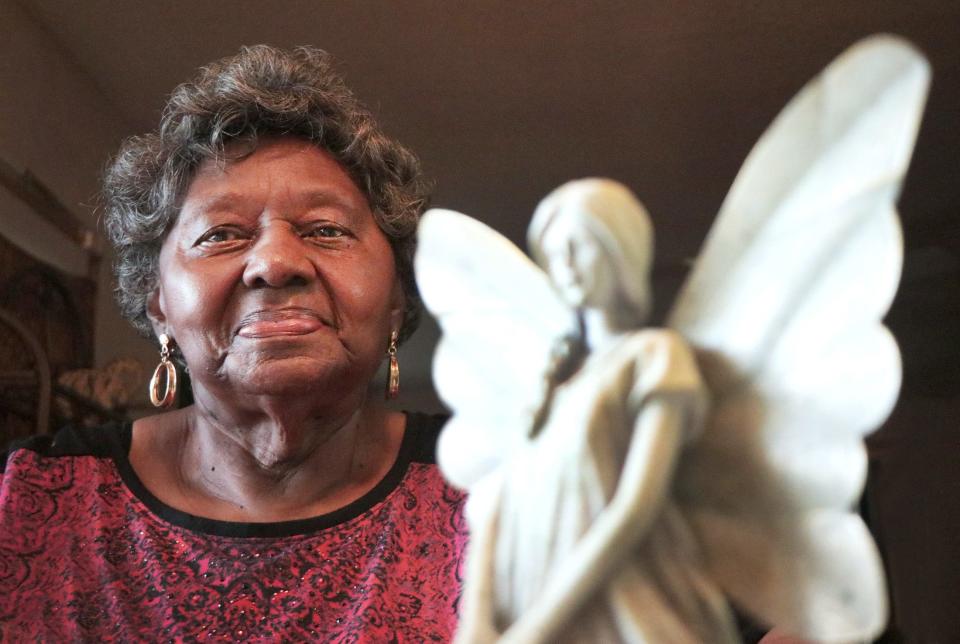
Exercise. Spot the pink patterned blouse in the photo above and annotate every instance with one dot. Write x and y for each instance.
(88, 554)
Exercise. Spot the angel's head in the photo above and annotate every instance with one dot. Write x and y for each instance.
(595, 240)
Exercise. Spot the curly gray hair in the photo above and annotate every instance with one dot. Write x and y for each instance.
(262, 91)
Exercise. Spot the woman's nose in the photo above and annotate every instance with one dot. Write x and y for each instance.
(278, 258)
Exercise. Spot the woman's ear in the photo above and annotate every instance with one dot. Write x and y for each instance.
(155, 314)
(398, 303)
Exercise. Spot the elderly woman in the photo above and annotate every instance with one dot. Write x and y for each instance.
(264, 238)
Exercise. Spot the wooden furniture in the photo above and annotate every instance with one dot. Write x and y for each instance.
(46, 315)
(25, 382)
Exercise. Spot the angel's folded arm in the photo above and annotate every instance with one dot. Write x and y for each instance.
(643, 483)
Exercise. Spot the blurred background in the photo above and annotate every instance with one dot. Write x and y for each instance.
(502, 101)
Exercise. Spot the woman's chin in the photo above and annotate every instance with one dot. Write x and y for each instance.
(295, 375)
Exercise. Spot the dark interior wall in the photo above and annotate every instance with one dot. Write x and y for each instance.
(57, 125)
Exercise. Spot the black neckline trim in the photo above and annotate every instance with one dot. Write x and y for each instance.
(216, 527)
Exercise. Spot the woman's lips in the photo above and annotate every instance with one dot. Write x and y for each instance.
(265, 324)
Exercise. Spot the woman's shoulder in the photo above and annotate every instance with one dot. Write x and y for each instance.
(103, 441)
(50, 487)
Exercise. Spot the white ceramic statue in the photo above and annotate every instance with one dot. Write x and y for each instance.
(625, 483)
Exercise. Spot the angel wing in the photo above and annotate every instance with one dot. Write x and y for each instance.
(504, 332)
(784, 306)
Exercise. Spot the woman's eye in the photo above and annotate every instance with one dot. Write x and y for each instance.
(325, 232)
(219, 236)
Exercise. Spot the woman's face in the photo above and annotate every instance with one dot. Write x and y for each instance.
(275, 276)
(577, 262)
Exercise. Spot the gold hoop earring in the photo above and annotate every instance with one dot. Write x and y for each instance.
(168, 372)
(393, 378)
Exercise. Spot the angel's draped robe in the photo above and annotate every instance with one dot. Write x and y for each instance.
(552, 489)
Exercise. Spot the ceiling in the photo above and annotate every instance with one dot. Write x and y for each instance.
(504, 100)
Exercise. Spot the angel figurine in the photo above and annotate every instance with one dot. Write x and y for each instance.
(629, 484)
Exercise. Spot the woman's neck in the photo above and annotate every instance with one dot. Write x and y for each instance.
(276, 465)
(276, 433)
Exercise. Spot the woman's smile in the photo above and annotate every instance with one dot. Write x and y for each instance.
(282, 322)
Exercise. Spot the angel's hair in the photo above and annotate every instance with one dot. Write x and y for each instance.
(260, 92)
(614, 217)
